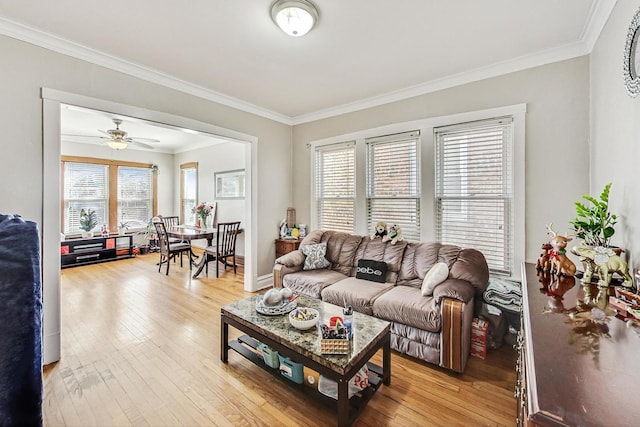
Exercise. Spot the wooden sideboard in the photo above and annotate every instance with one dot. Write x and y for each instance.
(577, 358)
(284, 246)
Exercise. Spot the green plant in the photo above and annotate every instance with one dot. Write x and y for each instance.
(124, 225)
(594, 223)
(88, 220)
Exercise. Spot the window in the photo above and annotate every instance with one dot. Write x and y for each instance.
(188, 192)
(335, 187)
(86, 186)
(135, 195)
(117, 191)
(393, 194)
(474, 189)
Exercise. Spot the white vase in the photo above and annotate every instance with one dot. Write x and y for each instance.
(87, 234)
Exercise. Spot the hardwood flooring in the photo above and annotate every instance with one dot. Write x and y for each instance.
(140, 348)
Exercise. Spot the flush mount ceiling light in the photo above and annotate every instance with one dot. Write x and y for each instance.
(294, 17)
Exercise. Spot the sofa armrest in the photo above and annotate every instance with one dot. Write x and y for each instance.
(455, 334)
(280, 270)
(292, 259)
(454, 289)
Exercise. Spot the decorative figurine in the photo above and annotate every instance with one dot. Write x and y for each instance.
(560, 263)
(603, 262)
(543, 263)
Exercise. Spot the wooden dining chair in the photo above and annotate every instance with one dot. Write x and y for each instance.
(169, 250)
(173, 221)
(225, 247)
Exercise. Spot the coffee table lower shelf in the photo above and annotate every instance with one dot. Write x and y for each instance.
(248, 347)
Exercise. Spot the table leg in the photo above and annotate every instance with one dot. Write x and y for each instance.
(386, 362)
(343, 402)
(203, 261)
(224, 339)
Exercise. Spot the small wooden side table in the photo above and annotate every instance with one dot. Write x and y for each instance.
(284, 246)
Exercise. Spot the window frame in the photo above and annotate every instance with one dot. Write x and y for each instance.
(112, 185)
(427, 162)
(183, 168)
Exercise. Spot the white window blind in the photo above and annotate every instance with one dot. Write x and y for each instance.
(393, 177)
(335, 187)
(135, 196)
(474, 189)
(86, 186)
(189, 181)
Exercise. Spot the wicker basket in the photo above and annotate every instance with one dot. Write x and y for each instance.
(331, 346)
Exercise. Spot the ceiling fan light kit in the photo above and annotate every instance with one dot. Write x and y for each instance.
(295, 17)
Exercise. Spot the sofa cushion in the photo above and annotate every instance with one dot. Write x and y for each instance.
(375, 271)
(358, 293)
(381, 251)
(436, 275)
(406, 305)
(315, 256)
(311, 282)
(341, 250)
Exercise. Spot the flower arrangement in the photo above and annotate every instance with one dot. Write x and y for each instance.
(88, 220)
(203, 210)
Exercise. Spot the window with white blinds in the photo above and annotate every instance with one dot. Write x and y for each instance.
(135, 196)
(335, 187)
(188, 192)
(393, 177)
(474, 189)
(86, 186)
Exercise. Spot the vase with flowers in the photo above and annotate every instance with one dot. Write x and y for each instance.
(203, 211)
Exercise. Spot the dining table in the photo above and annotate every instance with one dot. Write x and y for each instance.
(190, 232)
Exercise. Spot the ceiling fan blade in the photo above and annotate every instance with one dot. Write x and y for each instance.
(143, 140)
(83, 137)
(141, 145)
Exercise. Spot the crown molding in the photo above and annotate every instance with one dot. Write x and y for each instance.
(66, 47)
(560, 53)
(598, 16)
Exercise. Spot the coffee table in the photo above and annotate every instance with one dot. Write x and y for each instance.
(370, 334)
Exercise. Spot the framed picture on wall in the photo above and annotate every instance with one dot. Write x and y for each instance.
(230, 184)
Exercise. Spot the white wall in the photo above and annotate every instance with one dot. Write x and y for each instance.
(218, 158)
(556, 152)
(32, 68)
(615, 130)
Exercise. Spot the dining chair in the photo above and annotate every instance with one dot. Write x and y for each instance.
(169, 250)
(173, 221)
(225, 247)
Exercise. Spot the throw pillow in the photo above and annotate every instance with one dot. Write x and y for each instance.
(436, 275)
(369, 269)
(315, 256)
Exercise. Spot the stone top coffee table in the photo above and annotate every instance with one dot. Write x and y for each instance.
(369, 335)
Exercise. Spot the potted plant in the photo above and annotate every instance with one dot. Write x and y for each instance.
(594, 224)
(123, 227)
(88, 221)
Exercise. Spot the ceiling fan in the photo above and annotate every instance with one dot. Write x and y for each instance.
(118, 139)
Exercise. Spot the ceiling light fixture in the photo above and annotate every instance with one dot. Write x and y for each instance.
(294, 17)
(117, 144)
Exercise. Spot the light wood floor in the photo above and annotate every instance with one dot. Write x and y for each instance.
(141, 348)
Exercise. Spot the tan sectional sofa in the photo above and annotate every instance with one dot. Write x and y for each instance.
(434, 328)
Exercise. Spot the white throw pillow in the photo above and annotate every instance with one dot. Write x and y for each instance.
(436, 275)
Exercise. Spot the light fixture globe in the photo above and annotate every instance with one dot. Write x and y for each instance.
(117, 144)
(295, 17)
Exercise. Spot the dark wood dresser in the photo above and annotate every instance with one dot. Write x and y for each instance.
(284, 246)
(577, 359)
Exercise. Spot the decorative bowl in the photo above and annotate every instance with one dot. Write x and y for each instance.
(304, 318)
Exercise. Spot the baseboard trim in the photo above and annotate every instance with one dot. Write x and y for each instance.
(265, 281)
